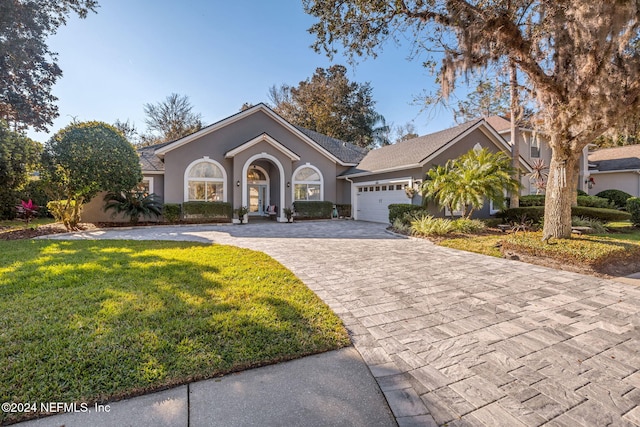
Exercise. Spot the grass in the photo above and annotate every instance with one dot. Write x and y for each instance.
(486, 245)
(86, 321)
(603, 253)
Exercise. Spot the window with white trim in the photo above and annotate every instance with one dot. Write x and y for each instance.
(145, 186)
(307, 184)
(205, 182)
(535, 148)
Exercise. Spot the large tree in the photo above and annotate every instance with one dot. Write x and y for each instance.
(28, 69)
(330, 104)
(170, 119)
(580, 58)
(84, 159)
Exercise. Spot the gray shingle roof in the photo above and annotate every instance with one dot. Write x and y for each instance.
(617, 158)
(408, 153)
(148, 159)
(345, 151)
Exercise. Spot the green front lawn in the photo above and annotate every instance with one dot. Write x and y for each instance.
(609, 253)
(84, 321)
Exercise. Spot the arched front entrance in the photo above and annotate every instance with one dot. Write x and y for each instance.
(258, 190)
(263, 184)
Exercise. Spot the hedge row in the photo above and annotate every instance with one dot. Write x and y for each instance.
(587, 201)
(617, 197)
(633, 206)
(400, 209)
(313, 209)
(536, 213)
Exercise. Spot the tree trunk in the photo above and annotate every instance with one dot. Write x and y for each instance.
(561, 186)
(515, 144)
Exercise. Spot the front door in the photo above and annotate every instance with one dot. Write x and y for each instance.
(257, 199)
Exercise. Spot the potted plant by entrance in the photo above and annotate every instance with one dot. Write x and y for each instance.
(241, 212)
(288, 212)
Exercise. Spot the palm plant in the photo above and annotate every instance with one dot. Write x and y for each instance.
(133, 204)
(471, 179)
(539, 174)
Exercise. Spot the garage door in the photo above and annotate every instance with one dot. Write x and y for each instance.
(373, 201)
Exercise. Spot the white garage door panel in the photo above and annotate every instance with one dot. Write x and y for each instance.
(374, 205)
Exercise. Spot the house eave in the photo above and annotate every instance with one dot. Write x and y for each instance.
(598, 172)
(368, 173)
(262, 138)
(238, 116)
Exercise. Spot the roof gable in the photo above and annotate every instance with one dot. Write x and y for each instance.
(263, 138)
(338, 151)
(419, 151)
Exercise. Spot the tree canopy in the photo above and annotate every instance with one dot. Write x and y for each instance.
(580, 59)
(19, 156)
(331, 104)
(28, 69)
(85, 158)
(170, 119)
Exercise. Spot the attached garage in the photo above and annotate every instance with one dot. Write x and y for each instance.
(373, 200)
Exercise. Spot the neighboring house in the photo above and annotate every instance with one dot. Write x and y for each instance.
(615, 168)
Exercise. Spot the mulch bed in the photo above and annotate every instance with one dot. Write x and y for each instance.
(41, 230)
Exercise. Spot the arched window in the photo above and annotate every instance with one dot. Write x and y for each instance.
(307, 183)
(205, 181)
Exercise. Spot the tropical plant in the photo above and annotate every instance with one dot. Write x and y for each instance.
(539, 175)
(134, 204)
(27, 211)
(288, 213)
(467, 182)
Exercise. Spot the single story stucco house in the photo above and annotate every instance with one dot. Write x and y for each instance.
(255, 158)
(615, 168)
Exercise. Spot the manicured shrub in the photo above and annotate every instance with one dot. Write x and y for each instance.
(532, 200)
(617, 197)
(207, 210)
(172, 212)
(633, 207)
(398, 210)
(583, 200)
(594, 202)
(604, 215)
(582, 193)
(528, 213)
(313, 209)
(344, 211)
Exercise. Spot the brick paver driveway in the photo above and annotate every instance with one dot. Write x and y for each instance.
(457, 338)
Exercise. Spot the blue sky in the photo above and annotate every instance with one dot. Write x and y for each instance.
(218, 53)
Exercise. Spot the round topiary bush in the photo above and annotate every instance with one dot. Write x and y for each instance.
(618, 197)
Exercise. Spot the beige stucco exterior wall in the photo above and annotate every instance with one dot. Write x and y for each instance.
(628, 182)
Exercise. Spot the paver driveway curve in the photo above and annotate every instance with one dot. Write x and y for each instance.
(457, 338)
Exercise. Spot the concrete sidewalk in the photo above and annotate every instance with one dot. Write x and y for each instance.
(330, 389)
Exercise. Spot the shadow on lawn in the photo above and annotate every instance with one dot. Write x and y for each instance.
(89, 321)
